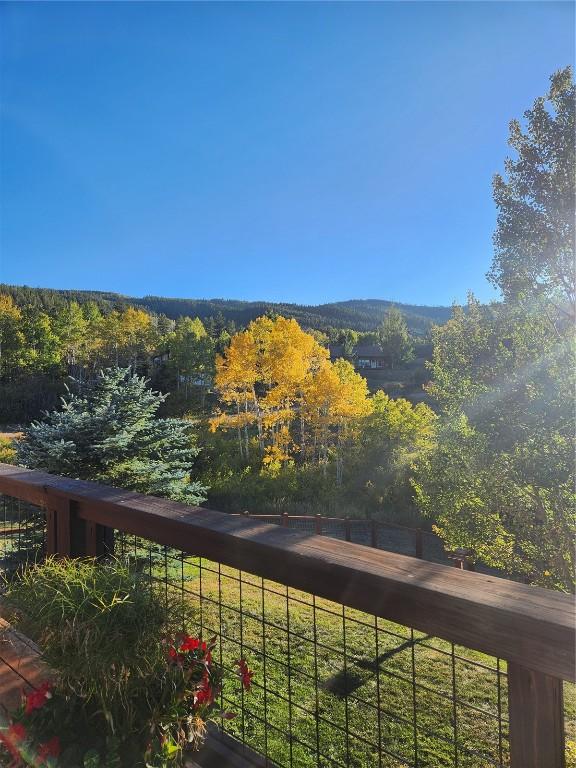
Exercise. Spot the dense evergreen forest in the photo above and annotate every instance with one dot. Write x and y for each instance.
(357, 314)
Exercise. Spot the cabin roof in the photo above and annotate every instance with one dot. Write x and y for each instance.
(360, 350)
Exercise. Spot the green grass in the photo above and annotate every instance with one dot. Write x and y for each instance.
(347, 731)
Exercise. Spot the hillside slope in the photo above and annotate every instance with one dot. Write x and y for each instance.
(359, 314)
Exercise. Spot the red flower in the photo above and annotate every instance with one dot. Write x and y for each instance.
(191, 644)
(185, 644)
(245, 674)
(36, 699)
(17, 732)
(173, 655)
(205, 693)
(13, 736)
(49, 749)
(194, 644)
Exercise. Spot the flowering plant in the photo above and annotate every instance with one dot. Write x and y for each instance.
(39, 732)
(129, 689)
(196, 699)
(26, 739)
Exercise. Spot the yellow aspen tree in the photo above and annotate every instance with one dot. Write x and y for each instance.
(235, 380)
(11, 336)
(130, 336)
(336, 399)
(262, 377)
(96, 341)
(290, 358)
(139, 335)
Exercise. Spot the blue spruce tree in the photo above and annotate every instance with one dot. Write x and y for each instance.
(109, 432)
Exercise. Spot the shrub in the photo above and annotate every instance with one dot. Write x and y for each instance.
(7, 451)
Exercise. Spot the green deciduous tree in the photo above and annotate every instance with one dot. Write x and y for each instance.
(192, 355)
(12, 338)
(534, 239)
(501, 478)
(43, 350)
(514, 508)
(394, 338)
(72, 329)
(394, 435)
(109, 433)
(348, 338)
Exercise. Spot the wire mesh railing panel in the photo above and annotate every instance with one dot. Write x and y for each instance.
(334, 528)
(400, 540)
(334, 687)
(433, 548)
(381, 535)
(22, 533)
(306, 524)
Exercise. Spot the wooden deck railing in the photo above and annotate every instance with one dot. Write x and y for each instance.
(416, 542)
(533, 629)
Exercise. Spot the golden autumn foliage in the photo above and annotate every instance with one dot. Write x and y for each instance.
(11, 337)
(128, 333)
(278, 380)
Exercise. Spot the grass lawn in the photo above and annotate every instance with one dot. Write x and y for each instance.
(324, 674)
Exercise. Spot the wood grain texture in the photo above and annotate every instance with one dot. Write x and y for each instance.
(21, 666)
(536, 712)
(223, 751)
(530, 626)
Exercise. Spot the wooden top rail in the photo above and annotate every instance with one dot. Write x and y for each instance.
(530, 626)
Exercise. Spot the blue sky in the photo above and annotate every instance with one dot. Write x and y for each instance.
(303, 152)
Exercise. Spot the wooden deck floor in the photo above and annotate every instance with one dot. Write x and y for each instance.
(22, 669)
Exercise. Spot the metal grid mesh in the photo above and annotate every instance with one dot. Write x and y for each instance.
(334, 687)
(22, 533)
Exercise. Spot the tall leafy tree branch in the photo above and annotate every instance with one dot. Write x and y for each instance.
(534, 239)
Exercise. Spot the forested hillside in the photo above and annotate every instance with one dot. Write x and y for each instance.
(357, 314)
(48, 336)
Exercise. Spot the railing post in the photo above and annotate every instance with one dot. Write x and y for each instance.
(50, 531)
(98, 541)
(462, 559)
(536, 710)
(418, 544)
(69, 536)
(318, 524)
(66, 533)
(347, 531)
(285, 519)
(374, 535)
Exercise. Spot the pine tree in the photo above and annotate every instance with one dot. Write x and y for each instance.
(109, 433)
